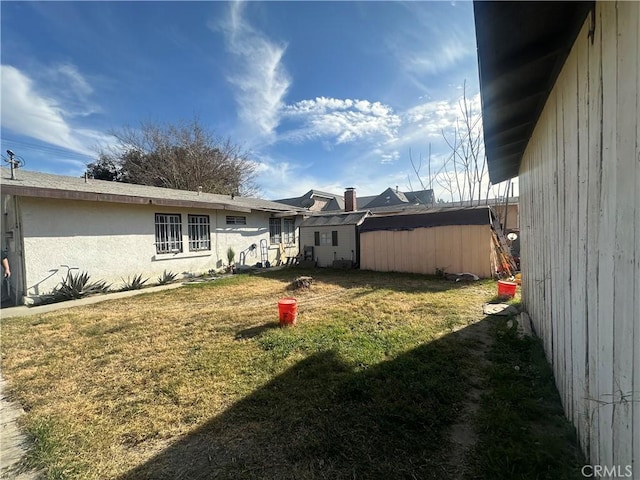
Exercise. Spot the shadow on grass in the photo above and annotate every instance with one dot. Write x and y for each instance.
(322, 418)
(248, 333)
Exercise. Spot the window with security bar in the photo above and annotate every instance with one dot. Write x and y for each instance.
(275, 230)
(289, 231)
(199, 233)
(168, 233)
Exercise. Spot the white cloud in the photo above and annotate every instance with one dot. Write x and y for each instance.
(29, 112)
(436, 61)
(343, 121)
(259, 78)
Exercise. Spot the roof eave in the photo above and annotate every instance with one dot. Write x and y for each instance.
(522, 47)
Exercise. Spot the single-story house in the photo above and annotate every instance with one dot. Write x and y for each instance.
(332, 239)
(560, 88)
(451, 240)
(113, 231)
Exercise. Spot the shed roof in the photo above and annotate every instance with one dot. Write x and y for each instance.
(434, 218)
(334, 220)
(522, 47)
(45, 185)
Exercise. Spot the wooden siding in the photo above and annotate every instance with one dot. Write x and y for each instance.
(455, 248)
(580, 224)
(326, 254)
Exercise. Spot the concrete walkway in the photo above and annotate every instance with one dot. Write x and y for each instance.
(23, 311)
(13, 442)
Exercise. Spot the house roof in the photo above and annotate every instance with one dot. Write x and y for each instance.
(45, 185)
(433, 218)
(335, 220)
(389, 199)
(522, 47)
(336, 202)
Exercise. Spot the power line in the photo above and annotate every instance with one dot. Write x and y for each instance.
(44, 148)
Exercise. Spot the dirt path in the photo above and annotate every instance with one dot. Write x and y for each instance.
(462, 434)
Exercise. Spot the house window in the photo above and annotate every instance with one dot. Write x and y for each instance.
(289, 231)
(168, 233)
(199, 233)
(326, 238)
(275, 230)
(236, 220)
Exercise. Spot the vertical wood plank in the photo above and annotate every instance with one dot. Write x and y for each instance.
(593, 232)
(607, 218)
(625, 160)
(557, 233)
(579, 275)
(573, 328)
(636, 328)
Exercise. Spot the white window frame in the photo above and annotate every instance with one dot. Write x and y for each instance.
(289, 231)
(199, 227)
(168, 227)
(275, 231)
(326, 239)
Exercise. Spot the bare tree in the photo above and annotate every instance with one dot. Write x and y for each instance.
(464, 171)
(183, 156)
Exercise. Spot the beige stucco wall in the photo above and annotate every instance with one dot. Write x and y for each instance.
(113, 241)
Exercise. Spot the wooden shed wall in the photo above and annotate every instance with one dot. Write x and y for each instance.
(455, 248)
(326, 254)
(580, 224)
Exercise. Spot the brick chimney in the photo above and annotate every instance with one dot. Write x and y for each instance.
(350, 202)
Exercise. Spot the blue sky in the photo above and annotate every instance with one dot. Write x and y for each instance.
(324, 95)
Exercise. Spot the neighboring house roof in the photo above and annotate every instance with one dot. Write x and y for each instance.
(389, 198)
(335, 202)
(45, 185)
(522, 47)
(433, 218)
(335, 220)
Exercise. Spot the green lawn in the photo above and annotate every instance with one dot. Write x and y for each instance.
(200, 382)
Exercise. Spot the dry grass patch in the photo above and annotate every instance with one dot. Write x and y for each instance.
(200, 381)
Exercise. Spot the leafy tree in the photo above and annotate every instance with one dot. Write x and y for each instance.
(104, 169)
(183, 156)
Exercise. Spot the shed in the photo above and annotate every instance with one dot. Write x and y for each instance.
(447, 239)
(331, 238)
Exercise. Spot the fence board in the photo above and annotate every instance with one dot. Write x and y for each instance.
(594, 159)
(624, 315)
(607, 236)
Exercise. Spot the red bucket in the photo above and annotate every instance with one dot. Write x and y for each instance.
(506, 289)
(288, 310)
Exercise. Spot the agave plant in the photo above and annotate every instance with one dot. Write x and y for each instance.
(133, 284)
(77, 286)
(167, 277)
